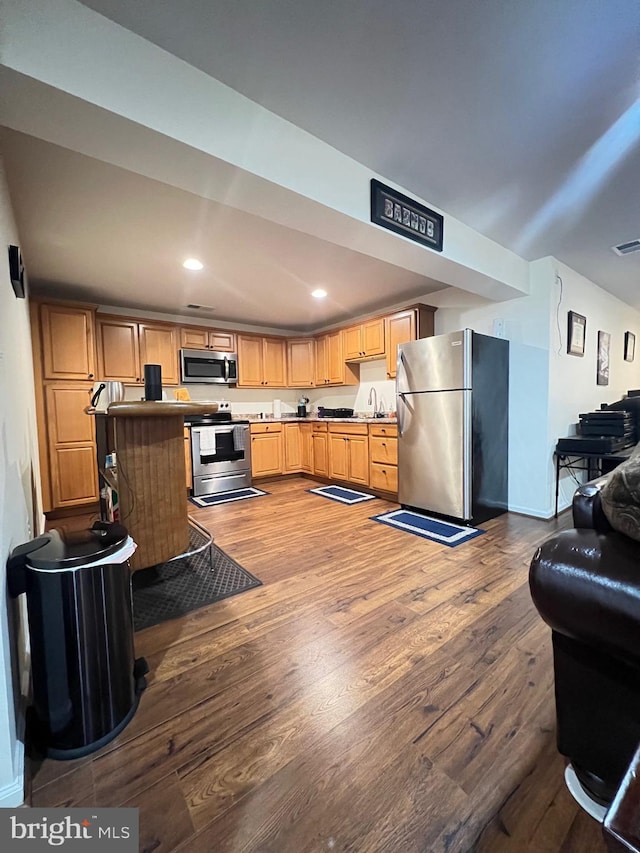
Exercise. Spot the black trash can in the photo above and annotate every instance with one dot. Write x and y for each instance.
(86, 681)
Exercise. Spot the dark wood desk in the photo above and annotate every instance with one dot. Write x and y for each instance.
(595, 464)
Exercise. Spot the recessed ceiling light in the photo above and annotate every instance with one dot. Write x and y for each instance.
(193, 264)
(319, 293)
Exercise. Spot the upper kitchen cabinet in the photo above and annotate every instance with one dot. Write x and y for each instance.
(125, 346)
(404, 326)
(261, 362)
(68, 342)
(365, 340)
(330, 364)
(301, 363)
(211, 339)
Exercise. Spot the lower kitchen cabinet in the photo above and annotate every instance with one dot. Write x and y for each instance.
(71, 445)
(292, 448)
(319, 450)
(349, 453)
(306, 448)
(266, 449)
(383, 453)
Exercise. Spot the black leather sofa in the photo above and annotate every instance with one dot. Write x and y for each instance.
(585, 582)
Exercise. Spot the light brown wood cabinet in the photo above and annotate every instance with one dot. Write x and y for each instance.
(71, 444)
(126, 345)
(383, 454)
(365, 340)
(404, 326)
(292, 448)
(330, 366)
(306, 449)
(301, 363)
(192, 337)
(349, 453)
(266, 449)
(261, 362)
(68, 342)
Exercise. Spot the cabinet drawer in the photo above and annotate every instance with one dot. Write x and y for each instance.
(383, 477)
(348, 429)
(319, 427)
(260, 428)
(383, 429)
(383, 449)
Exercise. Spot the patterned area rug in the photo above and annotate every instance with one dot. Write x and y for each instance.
(344, 496)
(172, 589)
(228, 497)
(445, 532)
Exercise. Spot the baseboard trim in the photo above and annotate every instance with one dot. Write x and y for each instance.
(12, 795)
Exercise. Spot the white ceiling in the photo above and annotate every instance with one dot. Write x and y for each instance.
(520, 119)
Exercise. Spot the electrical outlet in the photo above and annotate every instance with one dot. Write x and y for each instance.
(499, 329)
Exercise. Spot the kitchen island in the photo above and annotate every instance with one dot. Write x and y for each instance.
(148, 438)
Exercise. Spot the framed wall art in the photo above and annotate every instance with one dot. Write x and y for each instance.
(576, 334)
(629, 346)
(604, 342)
(399, 213)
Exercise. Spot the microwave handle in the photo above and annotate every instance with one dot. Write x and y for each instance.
(226, 369)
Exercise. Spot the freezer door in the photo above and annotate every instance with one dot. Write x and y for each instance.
(434, 452)
(441, 363)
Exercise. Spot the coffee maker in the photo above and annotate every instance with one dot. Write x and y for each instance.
(302, 407)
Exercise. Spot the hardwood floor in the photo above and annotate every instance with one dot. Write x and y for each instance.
(379, 692)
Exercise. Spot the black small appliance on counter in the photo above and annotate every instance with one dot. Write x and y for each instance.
(334, 413)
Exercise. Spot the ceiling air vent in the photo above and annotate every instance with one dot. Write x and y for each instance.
(200, 307)
(627, 248)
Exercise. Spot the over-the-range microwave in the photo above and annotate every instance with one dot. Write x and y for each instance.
(213, 368)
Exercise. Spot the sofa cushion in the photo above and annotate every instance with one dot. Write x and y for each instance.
(620, 496)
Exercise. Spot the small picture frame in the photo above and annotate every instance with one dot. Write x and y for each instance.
(629, 346)
(576, 335)
(604, 342)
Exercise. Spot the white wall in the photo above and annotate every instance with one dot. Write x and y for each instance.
(572, 379)
(19, 499)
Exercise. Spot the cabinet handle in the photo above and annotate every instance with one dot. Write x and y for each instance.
(91, 376)
(137, 379)
(384, 444)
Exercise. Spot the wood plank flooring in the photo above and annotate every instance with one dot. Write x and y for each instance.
(379, 692)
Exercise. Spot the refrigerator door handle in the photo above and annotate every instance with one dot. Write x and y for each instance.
(398, 417)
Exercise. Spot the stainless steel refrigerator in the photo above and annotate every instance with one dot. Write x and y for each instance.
(453, 423)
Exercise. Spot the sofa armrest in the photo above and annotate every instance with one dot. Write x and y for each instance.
(587, 508)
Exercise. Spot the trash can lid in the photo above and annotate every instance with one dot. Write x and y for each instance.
(68, 549)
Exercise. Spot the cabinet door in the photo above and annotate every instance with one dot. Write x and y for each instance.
(358, 449)
(338, 457)
(352, 341)
(322, 362)
(249, 361)
(118, 356)
(335, 358)
(192, 338)
(384, 477)
(401, 328)
(373, 337)
(292, 448)
(266, 454)
(72, 448)
(158, 345)
(274, 361)
(301, 363)
(68, 342)
(306, 442)
(320, 461)
(222, 341)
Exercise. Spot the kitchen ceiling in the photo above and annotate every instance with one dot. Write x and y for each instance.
(522, 120)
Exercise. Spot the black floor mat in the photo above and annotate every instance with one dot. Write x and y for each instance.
(180, 586)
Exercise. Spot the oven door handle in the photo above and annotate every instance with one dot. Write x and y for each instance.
(218, 430)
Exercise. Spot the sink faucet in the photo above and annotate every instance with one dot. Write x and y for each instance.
(373, 399)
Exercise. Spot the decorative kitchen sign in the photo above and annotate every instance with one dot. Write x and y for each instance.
(401, 214)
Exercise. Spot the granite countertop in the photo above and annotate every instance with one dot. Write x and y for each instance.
(312, 418)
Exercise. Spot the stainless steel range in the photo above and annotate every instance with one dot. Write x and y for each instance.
(220, 452)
